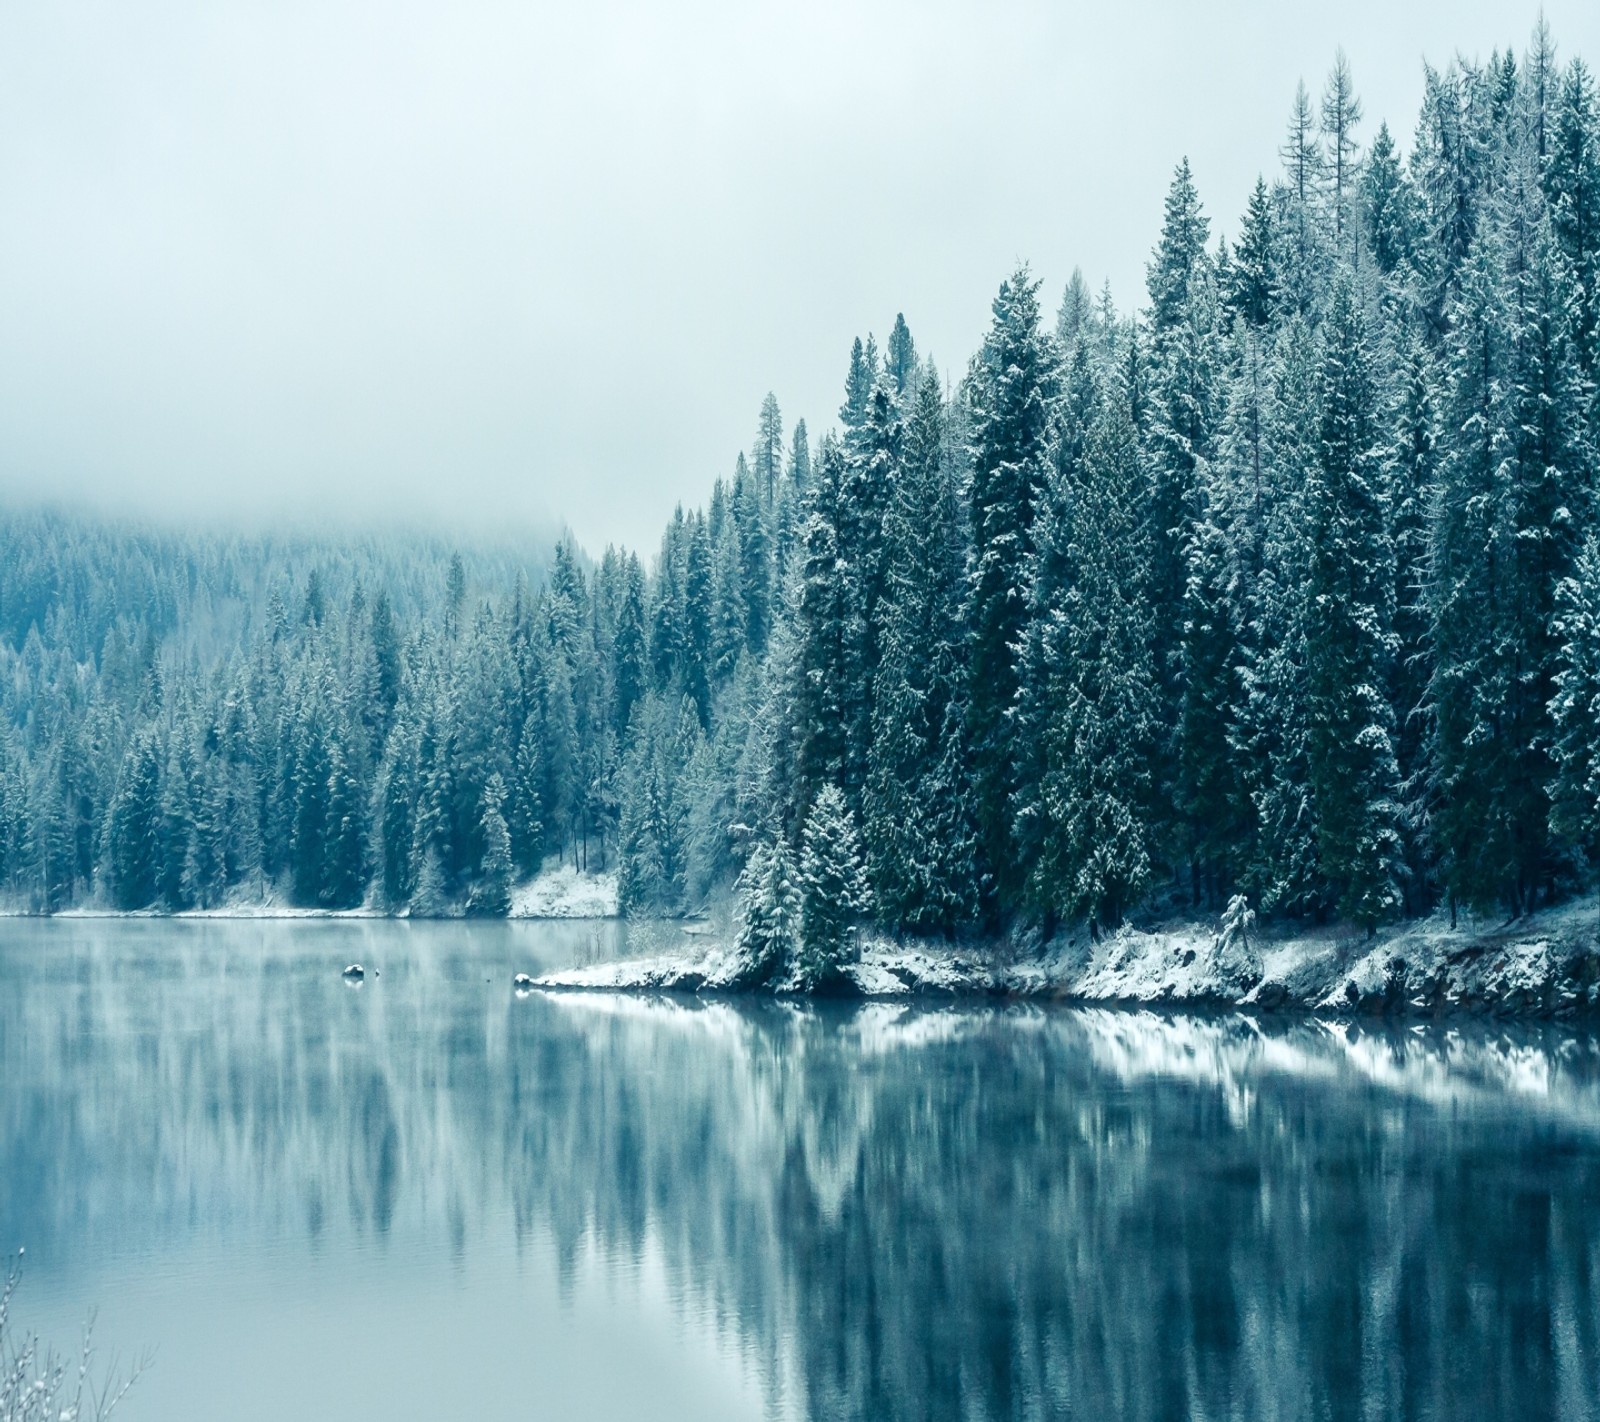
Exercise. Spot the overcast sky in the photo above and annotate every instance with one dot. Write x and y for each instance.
(505, 261)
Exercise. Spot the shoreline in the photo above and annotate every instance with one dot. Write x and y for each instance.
(1544, 965)
(558, 894)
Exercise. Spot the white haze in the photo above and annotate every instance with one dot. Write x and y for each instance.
(496, 263)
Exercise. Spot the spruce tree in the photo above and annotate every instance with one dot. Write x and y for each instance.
(629, 650)
(1388, 205)
(396, 797)
(1572, 175)
(1349, 640)
(766, 458)
(1094, 794)
(1186, 403)
(1075, 314)
(900, 359)
(491, 895)
(826, 636)
(917, 812)
(133, 825)
(1012, 388)
(833, 888)
(344, 878)
(1252, 292)
(770, 910)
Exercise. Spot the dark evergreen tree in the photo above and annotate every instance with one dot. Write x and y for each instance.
(133, 826)
(1094, 794)
(918, 823)
(1349, 638)
(1011, 391)
(900, 359)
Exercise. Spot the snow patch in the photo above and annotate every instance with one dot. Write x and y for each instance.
(563, 892)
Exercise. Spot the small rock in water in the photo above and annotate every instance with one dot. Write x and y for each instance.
(355, 972)
(522, 982)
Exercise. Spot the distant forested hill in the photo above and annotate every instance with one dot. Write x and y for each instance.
(1281, 592)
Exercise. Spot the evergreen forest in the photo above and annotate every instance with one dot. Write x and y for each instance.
(1285, 585)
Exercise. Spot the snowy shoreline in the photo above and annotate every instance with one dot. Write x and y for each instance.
(1544, 965)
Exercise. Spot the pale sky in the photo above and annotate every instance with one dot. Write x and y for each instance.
(501, 262)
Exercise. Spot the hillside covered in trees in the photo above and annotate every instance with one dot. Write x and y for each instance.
(1285, 586)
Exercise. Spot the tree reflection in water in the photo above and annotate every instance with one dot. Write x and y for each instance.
(901, 1212)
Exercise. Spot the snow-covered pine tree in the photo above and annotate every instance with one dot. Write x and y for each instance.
(698, 598)
(1572, 177)
(770, 910)
(1214, 833)
(833, 888)
(1186, 403)
(1094, 793)
(175, 866)
(900, 359)
(869, 491)
(1511, 514)
(396, 805)
(917, 811)
(491, 895)
(755, 561)
(133, 825)
(826, 635)
(858, 383)
(1575, 711)
(1252, 290)
(345, 872)
(1388, 206)
(1012, 388)
(766, 457)
(1276, 439)
(1075, 314)
(1349, 609)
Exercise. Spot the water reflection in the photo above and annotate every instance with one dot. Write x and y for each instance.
(894, 1212)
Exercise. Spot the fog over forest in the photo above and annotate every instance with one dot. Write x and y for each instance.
(501, 264)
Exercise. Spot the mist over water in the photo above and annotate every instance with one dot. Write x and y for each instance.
(654, 1208)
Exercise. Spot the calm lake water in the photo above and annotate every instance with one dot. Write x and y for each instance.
(427, 1198)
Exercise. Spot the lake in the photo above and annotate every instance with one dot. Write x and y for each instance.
(426, 1197)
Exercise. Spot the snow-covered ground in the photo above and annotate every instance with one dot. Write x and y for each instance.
(562, 892)
(1544, 964)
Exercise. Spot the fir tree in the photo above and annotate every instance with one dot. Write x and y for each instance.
(491, 895)
(1012, 388)
(766, 458)
(918, 818)
(133, 825)
(396, 796)
(770, 910)
(1388, 205)
(1252, 292)
(1349, 641)
(1572, 175)
(1094, 801)
(833, 888)
(900, 359)
(1076, 312)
